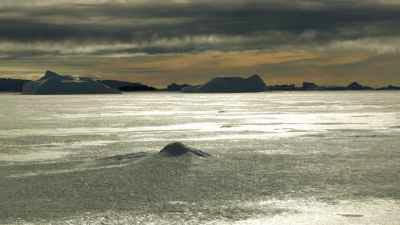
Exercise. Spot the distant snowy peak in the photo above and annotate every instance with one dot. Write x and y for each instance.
(231, 84)
(54, 83)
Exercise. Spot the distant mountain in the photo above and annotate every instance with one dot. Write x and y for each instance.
(309, 86)
(127, 86)
(230, 85)
(11, 85)
(357, 86)
(53, 83)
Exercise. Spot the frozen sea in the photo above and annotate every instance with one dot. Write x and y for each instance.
(284, 158)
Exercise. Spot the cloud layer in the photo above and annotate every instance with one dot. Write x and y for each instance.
(123, 27)
(158, 42)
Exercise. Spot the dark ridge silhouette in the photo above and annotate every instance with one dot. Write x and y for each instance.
(53, 83)
(12, 85)
(310, 86)
(283, 87)
(333, 88)
(127, 86)
(389, 88)
(178, 149)
(230, 85)
(357, 86)
(177, 87)
(191, 89)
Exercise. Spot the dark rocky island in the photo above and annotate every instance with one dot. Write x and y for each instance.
(53, 83)
(230, 85)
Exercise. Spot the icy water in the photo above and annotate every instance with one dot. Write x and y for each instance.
(277, 158)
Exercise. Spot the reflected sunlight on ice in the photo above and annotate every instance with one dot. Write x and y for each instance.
(281, 158)
(147, 120)
(367, 212)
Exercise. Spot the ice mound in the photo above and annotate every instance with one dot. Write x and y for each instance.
(178, 149)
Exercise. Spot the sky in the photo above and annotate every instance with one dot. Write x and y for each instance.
(157, 42)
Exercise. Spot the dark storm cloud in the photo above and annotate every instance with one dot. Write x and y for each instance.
(186, 26)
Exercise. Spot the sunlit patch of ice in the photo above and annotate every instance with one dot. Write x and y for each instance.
(49, 151)
(109, 130)
(365, 212)
(246, 136)
(77, 144)
(73, 145)
(72, 170)
(33, 156)
(244, 121)
(273, 212)
(132, 113)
